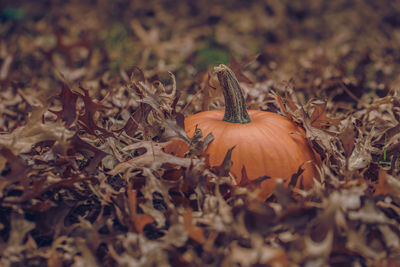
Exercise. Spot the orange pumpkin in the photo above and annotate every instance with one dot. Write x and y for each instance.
(266, 144)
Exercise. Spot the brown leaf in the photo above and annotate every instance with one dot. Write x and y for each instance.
(68, 101)
(226, 165)
(139, 220)
(393, 131)
(177, 147)
(195, 232)
(245, 182)
(77, 144)
(295, 177)
(289, 101)
(283, 109)
(348, 137)
(131, 126)
(383, 187)
(320, 119)
(138, 117)
(87, 119)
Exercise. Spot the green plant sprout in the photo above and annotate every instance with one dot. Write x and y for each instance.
(384, 156)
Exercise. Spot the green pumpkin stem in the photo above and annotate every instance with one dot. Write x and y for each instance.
(235, 104)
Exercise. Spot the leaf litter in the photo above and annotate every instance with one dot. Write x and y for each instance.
(93, 97)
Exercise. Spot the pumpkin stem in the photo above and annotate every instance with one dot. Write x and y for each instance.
(235, 104)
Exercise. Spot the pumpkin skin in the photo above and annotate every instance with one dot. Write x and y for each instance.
(268, 145)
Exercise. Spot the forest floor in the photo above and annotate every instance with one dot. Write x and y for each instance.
(88, 101)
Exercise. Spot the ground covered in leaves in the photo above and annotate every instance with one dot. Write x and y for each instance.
(92, 91)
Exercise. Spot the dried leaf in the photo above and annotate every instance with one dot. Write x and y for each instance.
(87, 120)
(252, 184)
(320, 119)
(68, 100)
(77, 144)
(139, 220)
(226, 165)
(22, 139)
(194, 232)
(348, 137)
(360, 157)
(387, 184)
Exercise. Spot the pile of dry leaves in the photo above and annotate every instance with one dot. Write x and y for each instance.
(91, 93)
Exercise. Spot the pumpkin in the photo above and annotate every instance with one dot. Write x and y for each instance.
(265, 143)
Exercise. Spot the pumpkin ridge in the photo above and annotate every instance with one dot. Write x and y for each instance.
(298, 153)
(266, 161)
(288, 157)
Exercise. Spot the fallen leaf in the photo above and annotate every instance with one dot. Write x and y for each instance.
(320, 119)
(139, 220)
(22, 139)
(387, 184)
(195, 232)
